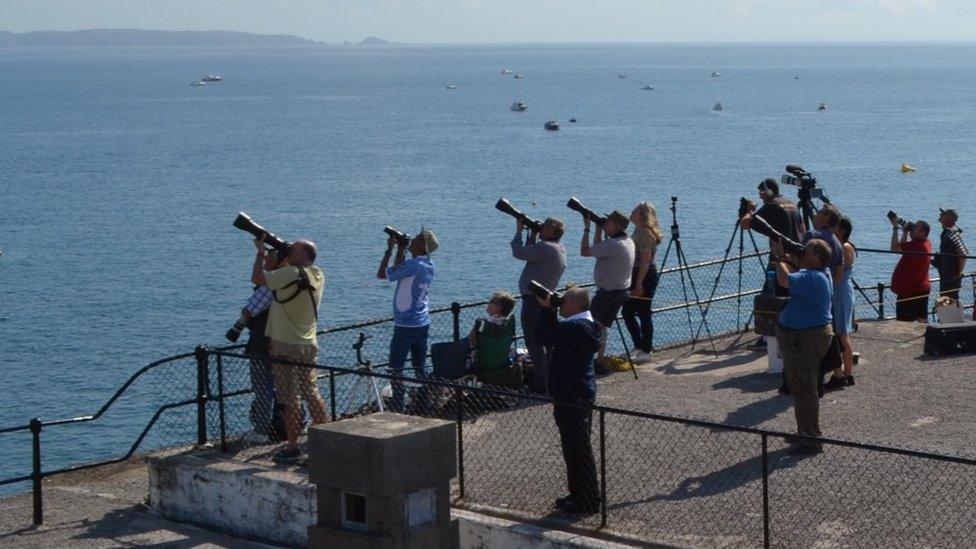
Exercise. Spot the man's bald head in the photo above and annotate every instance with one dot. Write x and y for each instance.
(303, 253)
(575, 300)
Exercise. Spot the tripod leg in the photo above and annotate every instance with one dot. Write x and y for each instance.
(684, 290)
(694, 291)
(626, 348)
(718, 278)
(377, 394)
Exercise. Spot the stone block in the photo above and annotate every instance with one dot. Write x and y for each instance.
(385, 515)
(445, 536)
(382, 454)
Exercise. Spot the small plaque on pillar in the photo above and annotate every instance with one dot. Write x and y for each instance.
(421, 507)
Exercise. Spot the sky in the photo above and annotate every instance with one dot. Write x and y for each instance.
(479, 21)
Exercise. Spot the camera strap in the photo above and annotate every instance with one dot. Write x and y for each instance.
(301, 283)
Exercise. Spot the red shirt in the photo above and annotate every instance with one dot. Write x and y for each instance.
(911, 276)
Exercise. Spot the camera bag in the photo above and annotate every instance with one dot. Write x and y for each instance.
(765, 311)
(950, 339)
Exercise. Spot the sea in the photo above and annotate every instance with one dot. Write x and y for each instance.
(119, 181)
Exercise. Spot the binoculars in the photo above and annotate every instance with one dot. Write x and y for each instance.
(403, 239)
(905, 225)
(504, 206)
(246, 224)
(540, 291)
(578, 206)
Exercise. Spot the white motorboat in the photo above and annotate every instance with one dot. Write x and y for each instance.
(717, 107)
(451, 87)
(715, 74)
(519, 76)
(551, 125)
(519, 106)
(822, 107)
(212, 78)
(622, 76)
(198, 83)
(506, 71)
(647, 87)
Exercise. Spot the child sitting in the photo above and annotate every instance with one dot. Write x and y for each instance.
(500, 306)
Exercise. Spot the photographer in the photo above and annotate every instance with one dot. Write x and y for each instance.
(824, 223)
(410, 309)
(804, 335)
(296, 285)
(545, 261)
(612, 272)
(572, 385)
(910, 280)
(950, 268)
(780, 214)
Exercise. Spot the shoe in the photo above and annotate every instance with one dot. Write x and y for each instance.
(599, 368)
(758, 344)
(784, 390)
(561, 502)
(850, 380)
(539, 390)
(254, 437)
(835, 383)
(804, 450)
(573, 507)
(642, 357)
(287, 455)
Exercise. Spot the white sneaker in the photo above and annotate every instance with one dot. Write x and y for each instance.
(254, 437)
(642, 357)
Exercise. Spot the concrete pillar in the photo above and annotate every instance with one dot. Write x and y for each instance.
(383, 480)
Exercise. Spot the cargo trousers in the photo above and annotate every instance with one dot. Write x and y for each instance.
(803, 351)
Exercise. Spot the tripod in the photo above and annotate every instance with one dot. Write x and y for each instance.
(370, 387)
(682, 267)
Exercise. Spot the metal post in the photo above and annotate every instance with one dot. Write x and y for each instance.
(765, 474)
(332, 397)
(220, 404)
(603, 470)
(456, 313)
(459, 397)
(203, 383)
(881, 311)
(35, 429)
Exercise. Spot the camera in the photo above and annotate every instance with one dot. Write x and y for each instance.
(745, 205)
(245, 223)
(504, 206)
(402, 238)
(905, 225)
(804, 180)
(234, 333)
(540, 291)
(578, 206)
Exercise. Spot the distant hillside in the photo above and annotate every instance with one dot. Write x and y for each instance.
(135, 37)
(374, 41)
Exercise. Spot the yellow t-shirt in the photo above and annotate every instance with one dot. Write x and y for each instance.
(293, 322)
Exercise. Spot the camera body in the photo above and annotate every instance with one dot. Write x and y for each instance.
(540, 291)
(578, 206)
(504, 206)
(745, 206)
(803, 180)
(234, 333)
(246, 224)
(402, 238)
(905, 225)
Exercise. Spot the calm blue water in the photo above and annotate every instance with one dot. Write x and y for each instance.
(118, 181)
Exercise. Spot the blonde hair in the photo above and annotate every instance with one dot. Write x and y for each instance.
(647, 218)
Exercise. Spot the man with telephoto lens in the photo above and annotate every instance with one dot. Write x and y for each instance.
(910, 280)
(614, 265)
(950, 268)
(296, 286)
(545, 261)
(804, 334)
(572, 385)
(411, 314)
(781, 215)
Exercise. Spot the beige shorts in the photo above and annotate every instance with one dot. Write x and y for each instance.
(294, 383)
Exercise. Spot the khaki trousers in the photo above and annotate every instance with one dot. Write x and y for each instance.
(802, 352)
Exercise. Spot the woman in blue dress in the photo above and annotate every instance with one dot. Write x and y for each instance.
(843, 308)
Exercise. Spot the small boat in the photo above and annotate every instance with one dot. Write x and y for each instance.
(519, 76)
(822, 107)
(551, 125)
(715, 74)
(451, 87)
(212, 78)
(717, 107)
(506, 71)
(647, 87)
(797, 77)
(519, 106)
(572, 120)
(197, 83)
(905, 168)
(622, 76)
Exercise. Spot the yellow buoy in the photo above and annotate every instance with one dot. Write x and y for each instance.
(905, 168)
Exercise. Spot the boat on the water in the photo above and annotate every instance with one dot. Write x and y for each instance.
(519, 76)
(551, 125)
(715, 74)
(197, 83)
(519, 106)
(822, 107)
(622, 76)
(572, 120)
(717, 107)
(451, 87)
(506, 71)
(647, 87)
(212, 78)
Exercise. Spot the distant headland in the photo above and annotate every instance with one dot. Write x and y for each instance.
(136, 37)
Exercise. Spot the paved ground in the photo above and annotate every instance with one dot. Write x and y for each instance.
(670, 482)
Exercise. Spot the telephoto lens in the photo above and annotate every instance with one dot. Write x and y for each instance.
(234, 333)
(540, 291)
(905, 225)
(246, 224)
(402, 238)
(504, 206)
(577, 206)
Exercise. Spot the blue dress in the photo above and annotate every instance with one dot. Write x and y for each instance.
(843, 306)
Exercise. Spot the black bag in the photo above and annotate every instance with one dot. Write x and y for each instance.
(833, 359)
(765, 311)
(950, 339)
(450, 358)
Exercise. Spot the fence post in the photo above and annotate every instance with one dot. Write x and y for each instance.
(332, 397)
(456, 313)
(459, 397)
(765, 492)
(881, 311)
(603, 470)
(203, 388)
(35, 429)
(220, 404)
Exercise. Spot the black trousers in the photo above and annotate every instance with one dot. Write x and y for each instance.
(637, 312)
(574, 433)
